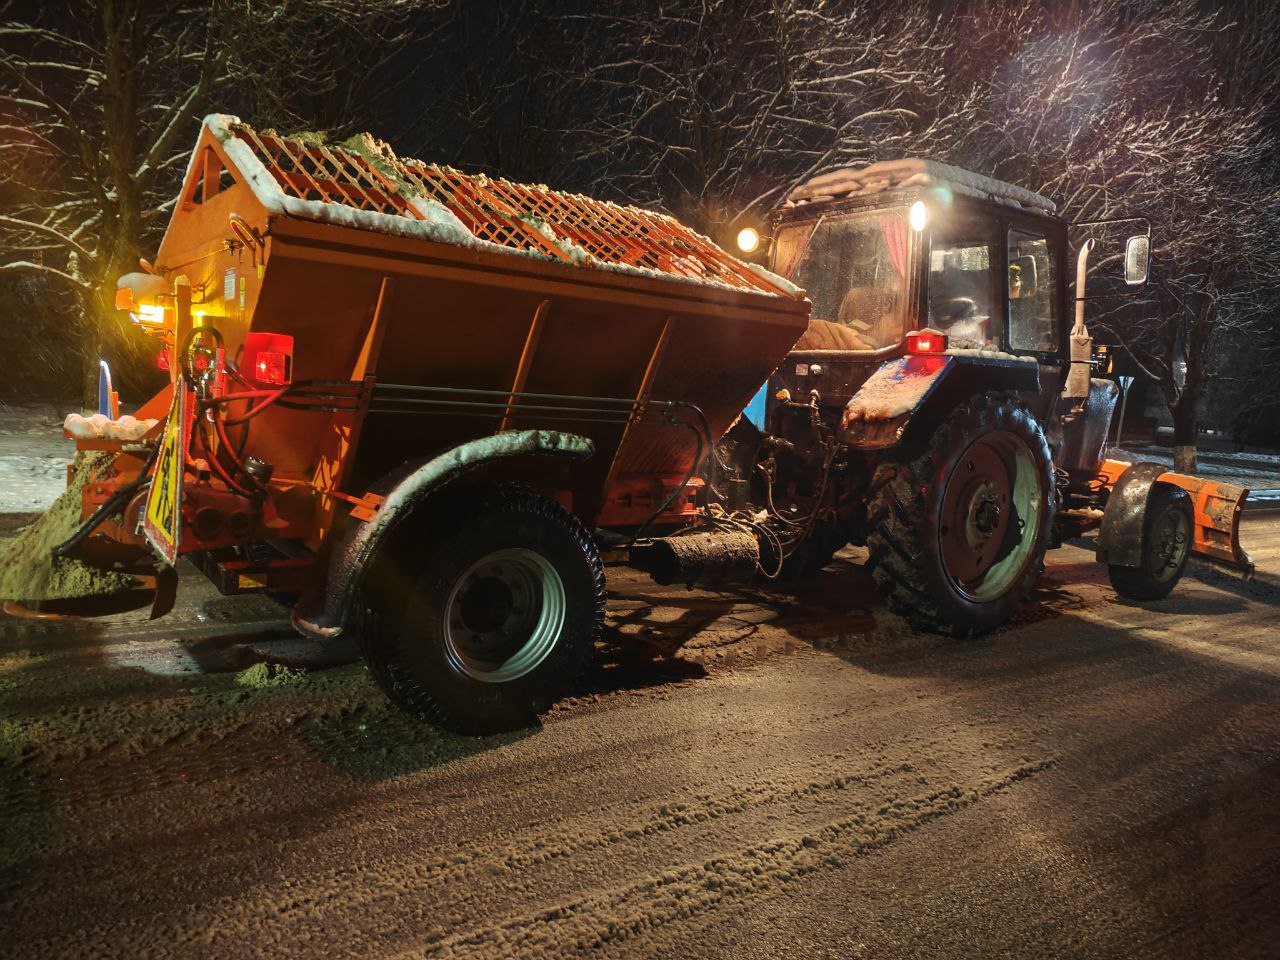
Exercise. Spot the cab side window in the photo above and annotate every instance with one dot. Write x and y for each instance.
(962, 256)
(1033, 308)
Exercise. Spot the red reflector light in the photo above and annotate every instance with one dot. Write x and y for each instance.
(926, 341)
(271, 367)
(268, 358)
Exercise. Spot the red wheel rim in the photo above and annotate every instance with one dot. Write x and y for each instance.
(989, 518)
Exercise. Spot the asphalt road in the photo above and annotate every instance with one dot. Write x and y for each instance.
(741, 775)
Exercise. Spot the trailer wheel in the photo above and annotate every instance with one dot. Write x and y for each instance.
(957, 536)
(1166, 545)
(501, 618)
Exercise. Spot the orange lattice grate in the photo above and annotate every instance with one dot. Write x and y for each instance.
(499, 211)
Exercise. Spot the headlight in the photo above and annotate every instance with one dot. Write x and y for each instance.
(748, 239)
(918, 216)
(147, 313)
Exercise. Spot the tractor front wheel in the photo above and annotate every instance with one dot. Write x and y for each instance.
(1166, 544)
(957, 536)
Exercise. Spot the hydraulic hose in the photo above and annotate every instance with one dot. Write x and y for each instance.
(693, 469)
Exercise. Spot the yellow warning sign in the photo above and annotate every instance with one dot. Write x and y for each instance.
(163, 523)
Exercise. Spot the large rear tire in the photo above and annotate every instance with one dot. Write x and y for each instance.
(957, 536)
(501, 618)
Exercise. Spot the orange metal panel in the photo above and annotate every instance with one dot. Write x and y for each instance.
(460, 321)
(1217, 508)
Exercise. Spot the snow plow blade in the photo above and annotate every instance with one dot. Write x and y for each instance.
(1216, 510)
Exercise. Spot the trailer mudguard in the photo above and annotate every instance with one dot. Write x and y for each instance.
(401, 491)
(1216, 511)
(924, 388)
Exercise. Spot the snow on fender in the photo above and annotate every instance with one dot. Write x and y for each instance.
(895, 389)
(878, 413)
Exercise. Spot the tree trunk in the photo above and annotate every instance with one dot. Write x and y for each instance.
(1185, 429)
(91, 328)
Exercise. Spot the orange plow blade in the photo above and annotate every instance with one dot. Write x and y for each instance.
(1216, 508)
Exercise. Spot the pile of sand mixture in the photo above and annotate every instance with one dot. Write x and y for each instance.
(28, 570)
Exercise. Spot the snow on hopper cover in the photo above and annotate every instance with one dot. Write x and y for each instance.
(361, 183)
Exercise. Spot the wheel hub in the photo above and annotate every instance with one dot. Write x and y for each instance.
(485, 605)
(987, 516)
(982, 512)
(1170, 546)
(974, 513)
(504, 615)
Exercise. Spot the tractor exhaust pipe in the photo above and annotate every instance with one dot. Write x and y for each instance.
(710, 556)
(1077, 387)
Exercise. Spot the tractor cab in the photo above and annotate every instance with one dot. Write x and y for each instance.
(915, 245)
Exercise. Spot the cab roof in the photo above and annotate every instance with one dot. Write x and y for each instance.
(898, 174)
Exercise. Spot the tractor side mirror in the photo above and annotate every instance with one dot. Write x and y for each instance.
(1119, 262)
(1137, 260)
(1023, 280)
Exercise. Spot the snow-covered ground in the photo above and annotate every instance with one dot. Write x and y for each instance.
(1258, 471)
(33, 457)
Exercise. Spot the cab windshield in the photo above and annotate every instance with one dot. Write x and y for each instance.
(854, 269)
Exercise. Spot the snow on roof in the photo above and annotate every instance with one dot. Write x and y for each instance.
(894, 174)
(361, 183)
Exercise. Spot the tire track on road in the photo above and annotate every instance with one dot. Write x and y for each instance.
(608, 919)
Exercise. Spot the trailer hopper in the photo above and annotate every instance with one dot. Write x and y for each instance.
(337, 319)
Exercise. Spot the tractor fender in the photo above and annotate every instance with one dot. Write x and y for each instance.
(924, 388)
(1120, 536)
(406, 488)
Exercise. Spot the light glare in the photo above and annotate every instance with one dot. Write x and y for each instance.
(148, 313)
(748, 239)
(919, 215)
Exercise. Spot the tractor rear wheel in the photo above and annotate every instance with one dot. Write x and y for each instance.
(502, 615)
(957, 536)
(1166, 544)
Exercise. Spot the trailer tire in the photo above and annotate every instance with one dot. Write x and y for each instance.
(501, 616)
(1166, 546)
(937, 518)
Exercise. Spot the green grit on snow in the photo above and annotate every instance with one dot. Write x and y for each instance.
(28, 570)
(263, 675)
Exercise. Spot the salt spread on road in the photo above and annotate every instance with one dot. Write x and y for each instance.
(798, 775)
